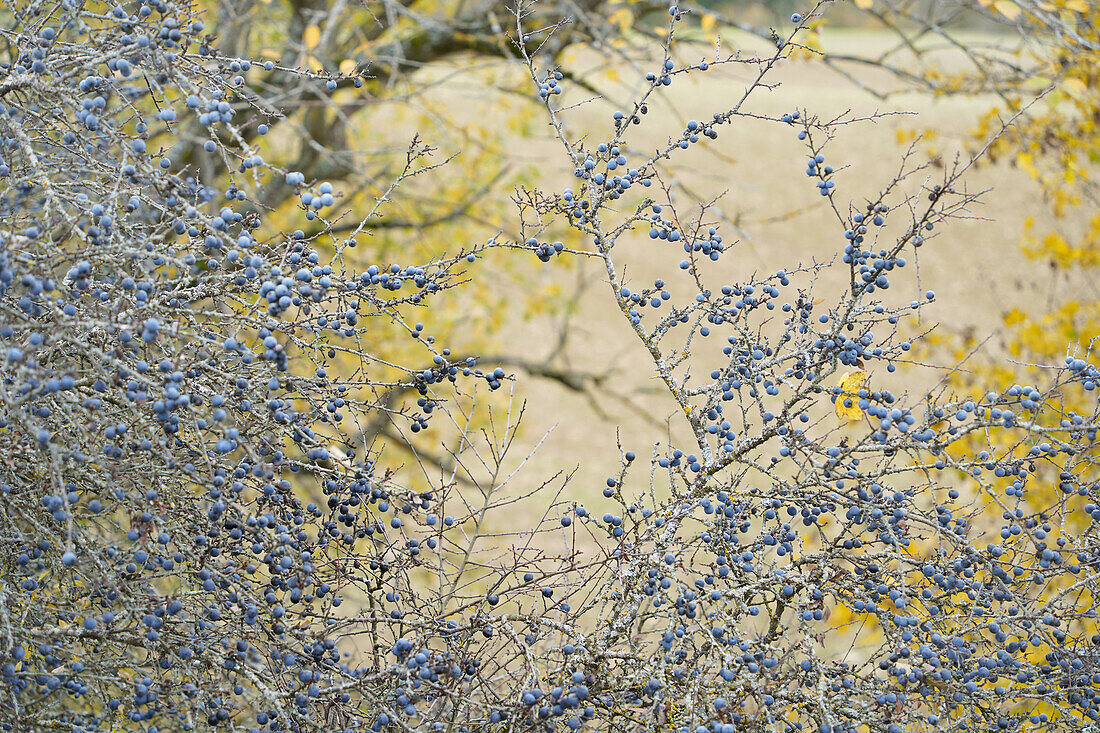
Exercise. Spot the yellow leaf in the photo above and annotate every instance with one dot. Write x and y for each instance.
(1014, 316)
(314, 64)
(850, 384)
(1007, 8)
(611, 73)
(1077, 6)
(864, 4)
(347, 66)
(1026, 162)
(623, 18)
(311, 36)
(1075, 84)
(707, 21)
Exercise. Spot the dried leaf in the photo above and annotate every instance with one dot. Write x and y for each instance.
(850, 384)
(864, 4)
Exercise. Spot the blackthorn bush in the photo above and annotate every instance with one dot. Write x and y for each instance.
(774, 571)
(194, 538)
